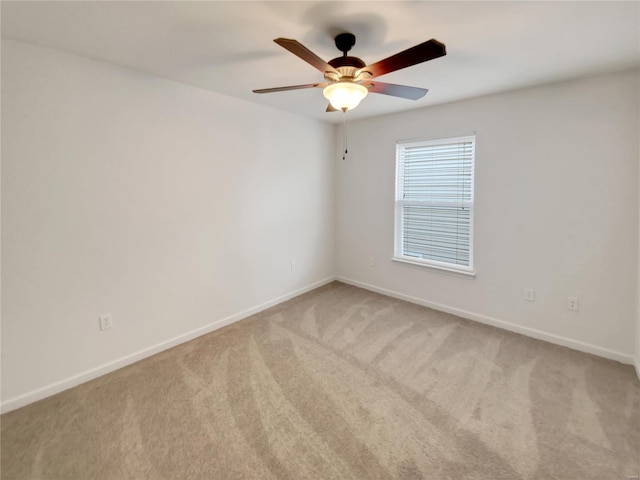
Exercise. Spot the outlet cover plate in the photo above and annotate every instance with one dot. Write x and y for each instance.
(529, 294)
(106, 321)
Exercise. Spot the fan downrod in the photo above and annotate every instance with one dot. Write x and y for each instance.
(345, 41)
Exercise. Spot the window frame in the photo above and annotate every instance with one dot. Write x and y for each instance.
(399, 203)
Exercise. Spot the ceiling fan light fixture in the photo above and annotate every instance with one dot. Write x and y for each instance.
(345, 95)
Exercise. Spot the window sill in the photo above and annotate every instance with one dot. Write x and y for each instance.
(466, 273)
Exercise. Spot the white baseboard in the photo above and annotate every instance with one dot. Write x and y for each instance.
(57, 387)
(529, 332)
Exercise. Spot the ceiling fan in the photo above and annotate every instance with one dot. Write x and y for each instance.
(349, 79)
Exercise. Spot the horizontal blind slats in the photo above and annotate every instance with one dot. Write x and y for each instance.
(436, 173)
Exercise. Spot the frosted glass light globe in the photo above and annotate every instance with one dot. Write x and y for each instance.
(345, 95)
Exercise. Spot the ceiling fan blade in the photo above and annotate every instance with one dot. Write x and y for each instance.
(412, 93)
(291, 87)
(331, 108)
(412, 56)
(305, 54)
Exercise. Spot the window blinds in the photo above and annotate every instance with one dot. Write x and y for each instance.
(435, 200)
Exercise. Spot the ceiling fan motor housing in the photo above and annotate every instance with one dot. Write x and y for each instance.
(345, 61)
(346, 67)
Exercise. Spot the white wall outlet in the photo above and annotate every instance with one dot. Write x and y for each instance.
(293, 266)
(572, 303)
(106, 321)
(372, 261)
(529, 294)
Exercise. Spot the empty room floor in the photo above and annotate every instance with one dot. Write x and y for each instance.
(340, 383)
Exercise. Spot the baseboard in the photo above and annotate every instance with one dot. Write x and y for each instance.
(529, 332)
(57, 387)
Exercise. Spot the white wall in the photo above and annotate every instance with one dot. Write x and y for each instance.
(556, 210)
(167, 206)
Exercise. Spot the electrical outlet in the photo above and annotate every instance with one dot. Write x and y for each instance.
(572, 303)
(372, 261)
(106, 321)
(293, 266)
(529, 294)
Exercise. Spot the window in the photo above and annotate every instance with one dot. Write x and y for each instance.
(434, 203)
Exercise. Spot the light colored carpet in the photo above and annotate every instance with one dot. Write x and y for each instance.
(340, 383)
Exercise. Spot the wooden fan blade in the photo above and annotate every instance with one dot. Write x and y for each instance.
(305, 54)
(292, 87)
(412, 56)
(412, 93)
(331, 108)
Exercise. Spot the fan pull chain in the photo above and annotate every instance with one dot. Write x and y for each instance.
(344, 130)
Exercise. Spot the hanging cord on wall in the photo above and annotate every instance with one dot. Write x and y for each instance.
(344, 131)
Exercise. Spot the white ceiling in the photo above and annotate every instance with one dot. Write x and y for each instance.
(227, 47)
